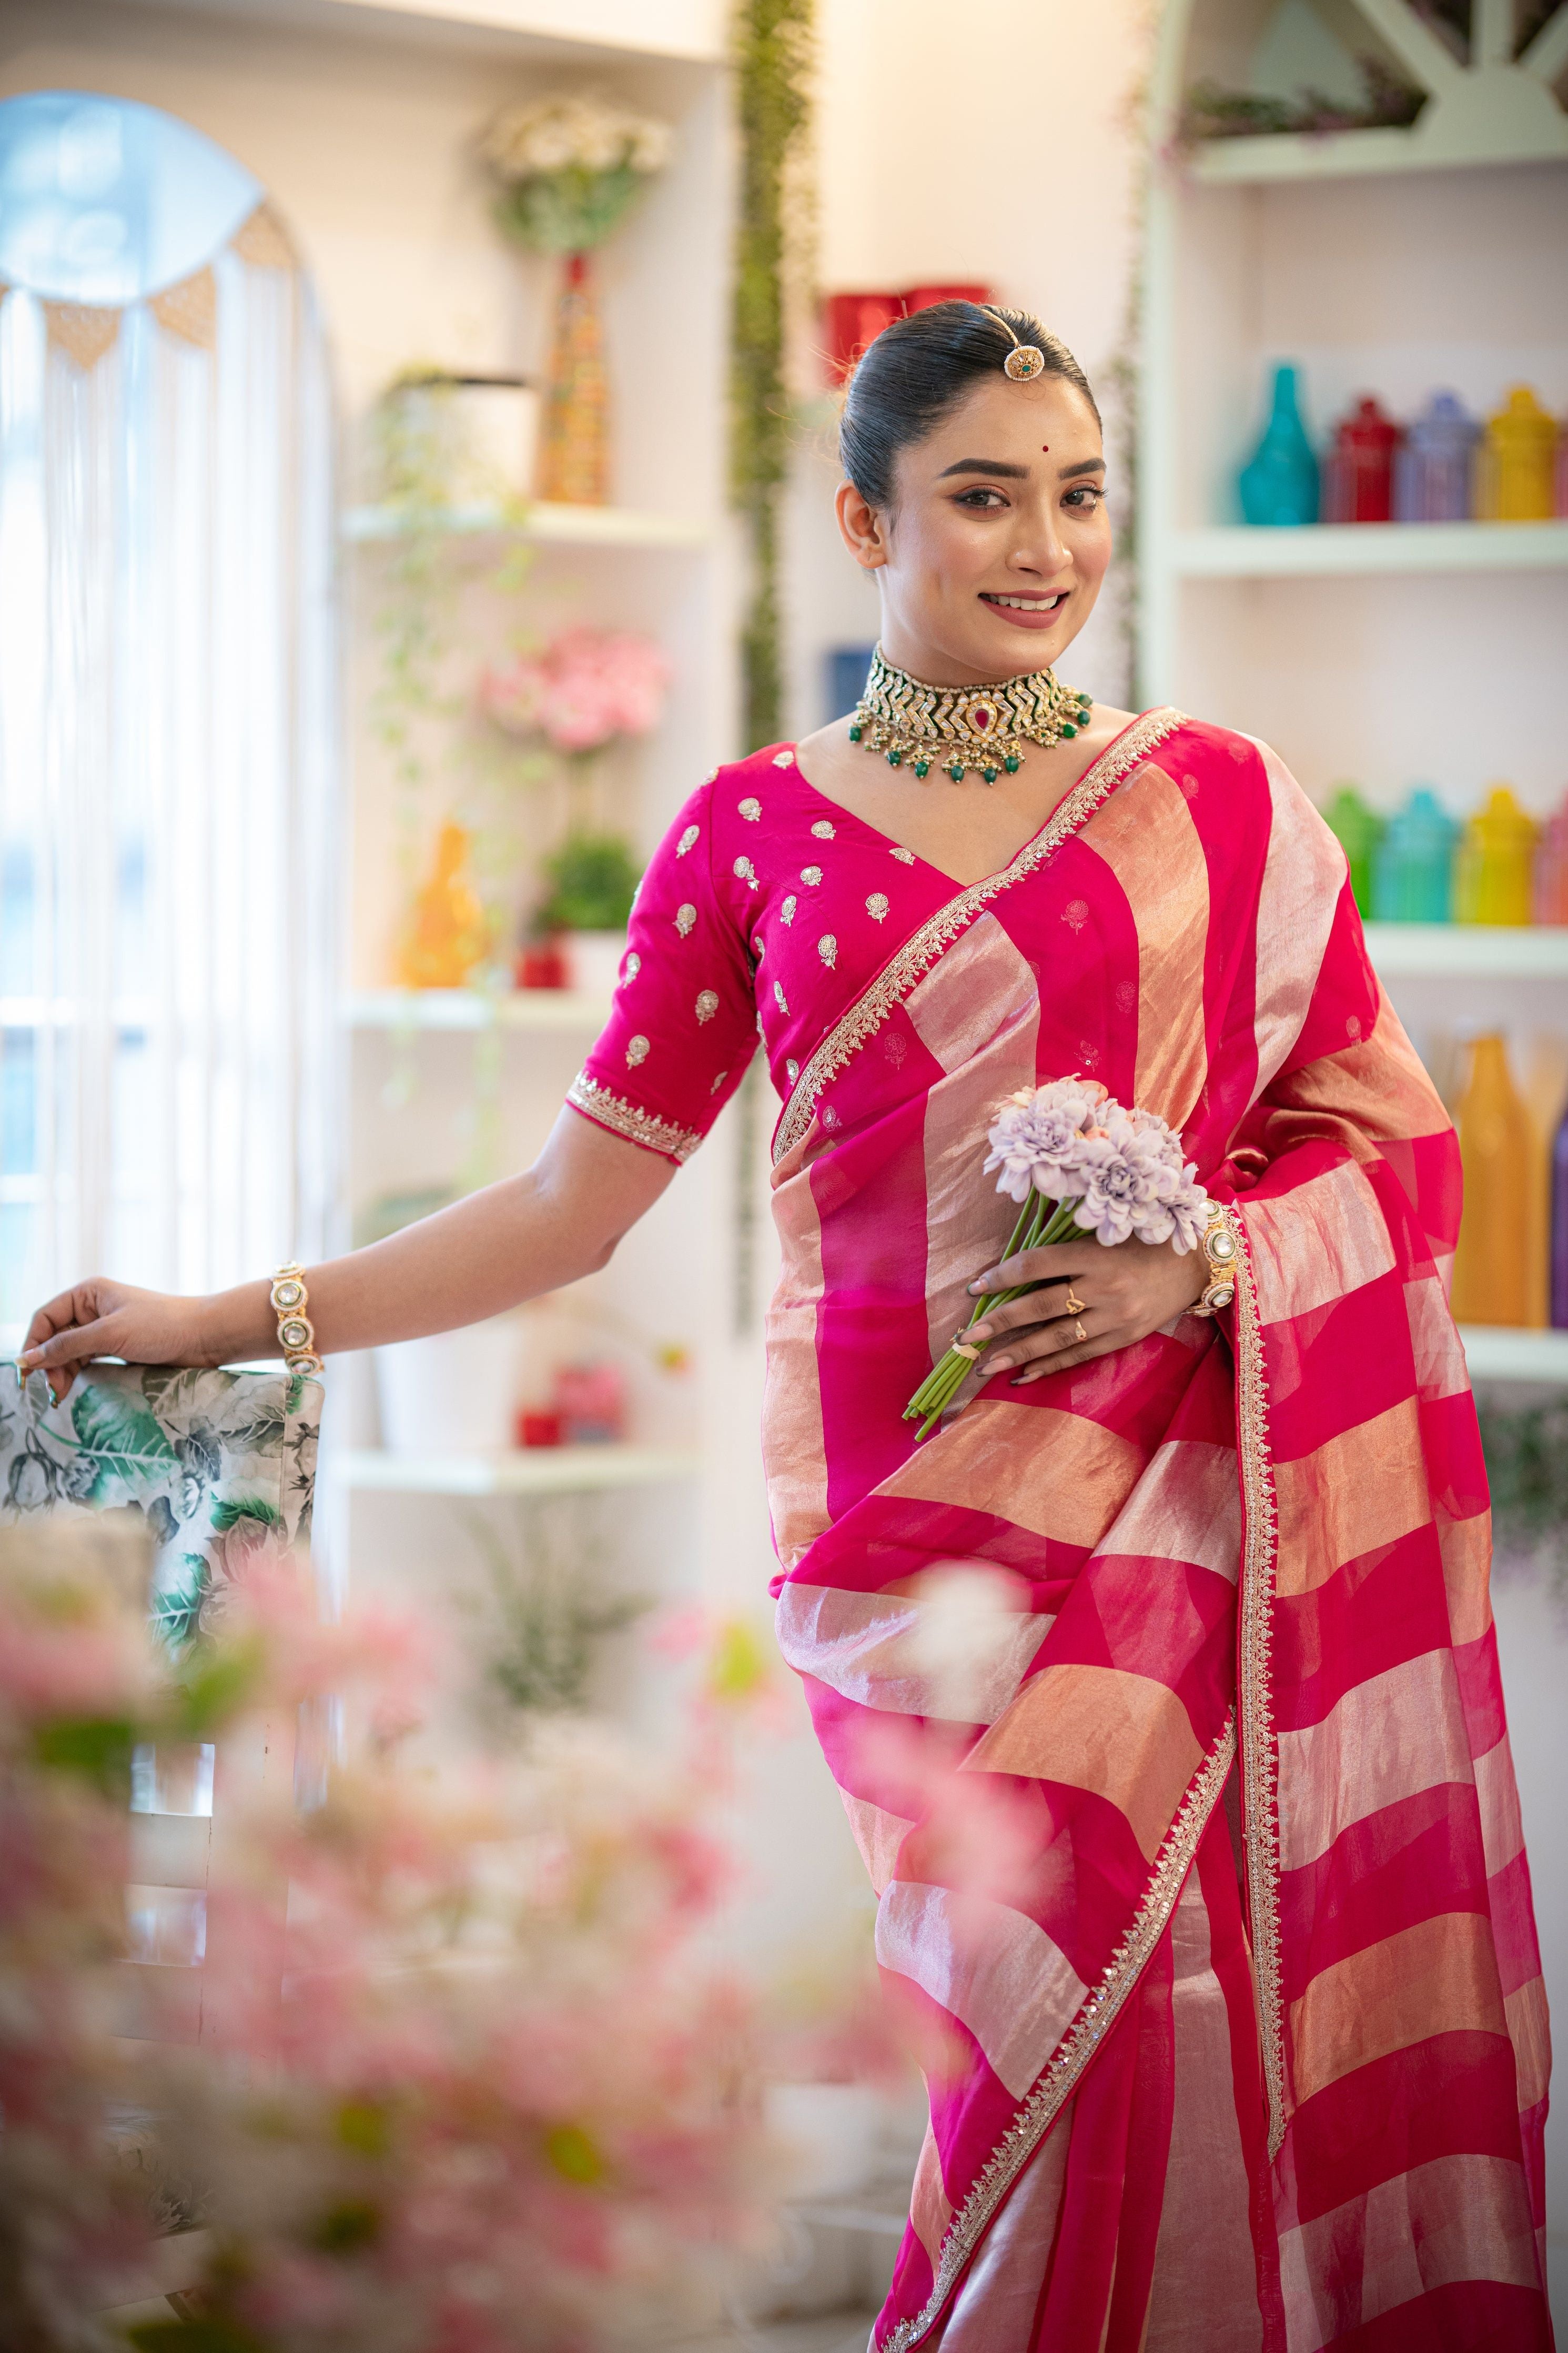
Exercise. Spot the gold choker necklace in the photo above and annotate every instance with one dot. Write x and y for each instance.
(957, 728)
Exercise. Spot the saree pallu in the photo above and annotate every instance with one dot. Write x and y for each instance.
(1162, 1694)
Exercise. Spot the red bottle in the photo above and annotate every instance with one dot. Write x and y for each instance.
(849, 322)
(1361, 466)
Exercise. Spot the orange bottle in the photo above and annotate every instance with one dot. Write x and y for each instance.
(448, 935)
(1494, 879)
(1492, 1265)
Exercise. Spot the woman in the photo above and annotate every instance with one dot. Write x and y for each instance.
(1195, 1835)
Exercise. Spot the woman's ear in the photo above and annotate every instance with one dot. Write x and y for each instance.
(861, 527)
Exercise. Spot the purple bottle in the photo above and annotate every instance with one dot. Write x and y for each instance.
(1434, 470)
(1560, 1226)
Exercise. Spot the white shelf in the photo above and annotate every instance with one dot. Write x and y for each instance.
(1292, 155)
(466, 1008)
(1497, 1352)
(1276, 552)
(1469, 951)
(532, 1471)
(545, 526)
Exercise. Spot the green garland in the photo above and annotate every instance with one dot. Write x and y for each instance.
(772, 55)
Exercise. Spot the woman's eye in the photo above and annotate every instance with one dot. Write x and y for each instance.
(980, 497)
(1086, 497)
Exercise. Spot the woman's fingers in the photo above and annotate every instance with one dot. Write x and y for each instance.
(1060, 1262)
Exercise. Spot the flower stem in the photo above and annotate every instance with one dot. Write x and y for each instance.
(1041, 1223)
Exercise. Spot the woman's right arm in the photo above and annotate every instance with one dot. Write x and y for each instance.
(559, 1221)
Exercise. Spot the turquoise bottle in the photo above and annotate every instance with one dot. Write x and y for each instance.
(1412, 865)
(1279, 483)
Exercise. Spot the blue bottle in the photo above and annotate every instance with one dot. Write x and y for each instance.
(1413, 866)
(1279, 482)
(1434, 467)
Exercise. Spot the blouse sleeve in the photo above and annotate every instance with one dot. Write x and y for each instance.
(684, 1022)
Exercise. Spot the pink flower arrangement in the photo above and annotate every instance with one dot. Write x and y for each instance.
(586, 689)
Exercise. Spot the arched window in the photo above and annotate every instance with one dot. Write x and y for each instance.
(168, 762)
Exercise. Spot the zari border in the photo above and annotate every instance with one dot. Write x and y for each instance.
(922, 949)
(638, 1126)
(1260, 1743)
(1080, 2043)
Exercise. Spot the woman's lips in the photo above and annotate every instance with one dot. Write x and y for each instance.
(1034, 613)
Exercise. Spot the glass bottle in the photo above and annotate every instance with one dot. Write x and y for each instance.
(448, 934)
(1435, 469)
(1358, 830)
(1279, 483)
(1494, 873)
(1560, 1226)
(1412, 865)
(1491, 1264)
(1359, 474)
(1552, 868)
(1519, 460)
(1560, 505)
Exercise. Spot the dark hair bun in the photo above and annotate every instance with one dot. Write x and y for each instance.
(919, 368)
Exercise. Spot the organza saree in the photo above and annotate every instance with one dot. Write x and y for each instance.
(1162, 1694)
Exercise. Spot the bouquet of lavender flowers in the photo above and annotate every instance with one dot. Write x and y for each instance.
(1074, 1158)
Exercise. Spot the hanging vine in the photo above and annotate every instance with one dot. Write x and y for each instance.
(772, 57)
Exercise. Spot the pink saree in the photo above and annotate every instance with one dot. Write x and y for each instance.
(1163, 1695)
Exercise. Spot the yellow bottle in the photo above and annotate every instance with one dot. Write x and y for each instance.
(1492, 1263)
(1518, 461)
(1494, 876)
(448, 935)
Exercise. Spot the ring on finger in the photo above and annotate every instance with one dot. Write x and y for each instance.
(1072, 1304)
(1079, 1331)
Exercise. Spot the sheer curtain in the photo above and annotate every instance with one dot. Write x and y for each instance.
(168, 774)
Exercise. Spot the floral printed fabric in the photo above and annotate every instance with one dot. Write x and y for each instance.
(761, 913)
(221, 1465)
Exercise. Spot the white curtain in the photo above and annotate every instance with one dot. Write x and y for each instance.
(168, 782)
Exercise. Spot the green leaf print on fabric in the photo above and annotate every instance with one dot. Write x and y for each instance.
(122, 1435)
(177, 1607)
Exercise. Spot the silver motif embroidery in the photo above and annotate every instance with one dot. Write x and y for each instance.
(905, 857)
(786, 913)
(751, 811)
(685, 917)
(823, 830)
(876, 906)
(828, 949)
(687, 839)
(812, 875)
(637, 1051)
(792, 1070)
(718, 1082)
(746, 872)
(779, 997)
(634, 965)
(707, 1004)
(784, 759)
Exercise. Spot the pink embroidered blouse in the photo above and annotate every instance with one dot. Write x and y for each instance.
(767, 910)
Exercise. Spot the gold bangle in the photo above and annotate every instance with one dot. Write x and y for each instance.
(295, 1332)
(1219, 1246)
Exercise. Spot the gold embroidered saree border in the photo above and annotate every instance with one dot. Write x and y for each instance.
(1080, 2043)
(638, 1126)
(921, 950)
(1259, 1745)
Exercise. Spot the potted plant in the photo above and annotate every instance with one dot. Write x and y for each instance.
(592, 879)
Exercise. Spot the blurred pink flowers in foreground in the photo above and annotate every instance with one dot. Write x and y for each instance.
(464, 2086)
(588, 686)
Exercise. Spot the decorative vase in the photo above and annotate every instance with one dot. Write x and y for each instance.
(1359, 831)
(1494, 877)
(1491, 1264)
(1518, 461)
(1279, 483)
(1434, 472)
(1358, 478)
(574, 456)
(448, 935)
(1412, 865)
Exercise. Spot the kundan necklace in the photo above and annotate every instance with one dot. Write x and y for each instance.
(956, 728)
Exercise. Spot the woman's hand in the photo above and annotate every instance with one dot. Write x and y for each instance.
(1128, 1292)
(103, 1318)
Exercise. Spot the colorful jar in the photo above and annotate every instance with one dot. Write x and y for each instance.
(1434, 467)
(1520, 460)
(1560, 505)
(1491, 1264)
(1359, 830)
(1279, 483)
(1359, 473)
(448, 934)
(1412, 865)
(1552, 868)
(1558, 1244)
(1494, 876)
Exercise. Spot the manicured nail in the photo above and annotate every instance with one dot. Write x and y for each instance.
(1001, 1364)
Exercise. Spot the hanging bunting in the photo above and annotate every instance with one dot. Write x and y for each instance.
(189, 309)
(82, 331)
(263, 241)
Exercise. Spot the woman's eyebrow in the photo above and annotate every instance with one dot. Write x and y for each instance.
(986, 466)
(1084, 465)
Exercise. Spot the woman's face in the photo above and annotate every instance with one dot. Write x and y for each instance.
(991, 556)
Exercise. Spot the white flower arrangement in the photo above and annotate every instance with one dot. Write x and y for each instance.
(1075, 1158)
(573, 131)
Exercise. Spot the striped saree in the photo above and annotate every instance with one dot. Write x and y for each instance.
(1163, 1695)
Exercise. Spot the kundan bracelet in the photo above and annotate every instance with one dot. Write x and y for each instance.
(295, 1332)
(1219, 1248)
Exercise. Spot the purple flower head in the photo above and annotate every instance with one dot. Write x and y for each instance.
(1038, 1138)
